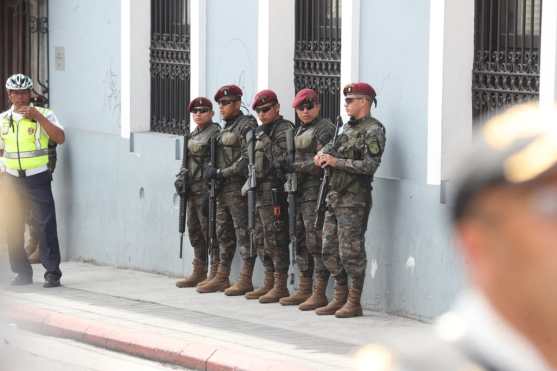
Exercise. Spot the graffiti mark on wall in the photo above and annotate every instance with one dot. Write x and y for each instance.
(112, 93)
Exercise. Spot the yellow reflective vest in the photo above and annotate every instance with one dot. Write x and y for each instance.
(25, 143)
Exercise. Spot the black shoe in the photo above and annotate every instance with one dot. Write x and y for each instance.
(20, 280)
(51, 283)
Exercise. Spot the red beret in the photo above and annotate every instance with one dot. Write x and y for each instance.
(264, 97)
(232, 91)
(200, 102)
(305, 95)
(359, 89)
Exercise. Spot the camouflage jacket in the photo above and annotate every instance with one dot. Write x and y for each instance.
(198, 155)
(231, 143)
(358, 151)
(270, 153)
(309, 140)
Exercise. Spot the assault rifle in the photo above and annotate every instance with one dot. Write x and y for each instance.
(184, 193)
(251, 188)
(324, 188)
(291, 187)
(212, 230)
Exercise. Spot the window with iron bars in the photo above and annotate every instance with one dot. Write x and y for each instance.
(317, 51)
(25, 26)
(170, 66)
(506, 54)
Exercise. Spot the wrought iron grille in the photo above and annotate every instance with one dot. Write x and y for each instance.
(317, 51)
(170, 66)
(25, 49)
(507, 54)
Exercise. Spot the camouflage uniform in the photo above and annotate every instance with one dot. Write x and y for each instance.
(358, 151)
(309, 140)
(197, 210)
(232, 208)
(270, 150)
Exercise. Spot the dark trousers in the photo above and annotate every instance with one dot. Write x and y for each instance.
(35, 192)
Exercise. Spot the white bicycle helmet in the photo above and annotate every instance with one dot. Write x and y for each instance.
(19, 82)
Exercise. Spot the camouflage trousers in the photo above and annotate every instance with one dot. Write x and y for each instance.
(272, 239)
(309, 256)
(344, 250)
(232, 227)
(197, 223)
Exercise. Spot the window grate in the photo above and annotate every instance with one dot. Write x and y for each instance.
(317, 51)
(507, 54)
(170, 66)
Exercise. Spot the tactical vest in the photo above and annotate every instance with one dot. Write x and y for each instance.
(351, 144)
(230, 142)
(198, 152)
(266, 149)
(306, 147)
(25, 143)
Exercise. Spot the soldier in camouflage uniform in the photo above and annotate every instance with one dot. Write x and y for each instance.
(197, 219)
(272, 218)
(313, 133)
(353, 162)
(232, 208)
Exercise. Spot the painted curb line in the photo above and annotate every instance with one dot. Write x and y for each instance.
(151, 346)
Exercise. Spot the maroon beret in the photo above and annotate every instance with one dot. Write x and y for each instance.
(359, 89)
(305, 95)
(264, 97)
(232, 91)
(200, 102)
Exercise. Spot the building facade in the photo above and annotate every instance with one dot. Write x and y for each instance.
(122, 71)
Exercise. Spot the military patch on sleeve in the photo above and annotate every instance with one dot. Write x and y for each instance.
(374, 148)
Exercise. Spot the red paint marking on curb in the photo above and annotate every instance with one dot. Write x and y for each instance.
(143, 344)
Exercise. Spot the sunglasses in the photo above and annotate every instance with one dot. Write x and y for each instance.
(309, 106)
(350, 100)
(264, 109)
(226, 102)
(199, 110)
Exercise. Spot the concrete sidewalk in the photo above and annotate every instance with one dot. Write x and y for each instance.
(146, 315)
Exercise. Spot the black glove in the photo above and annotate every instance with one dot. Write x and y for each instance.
(210, 172)
(180, 181)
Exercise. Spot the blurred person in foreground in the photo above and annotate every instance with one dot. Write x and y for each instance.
(504, 217)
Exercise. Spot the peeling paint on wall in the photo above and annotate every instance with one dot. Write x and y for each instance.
(411, 264)
(112, 93)
(374, 267)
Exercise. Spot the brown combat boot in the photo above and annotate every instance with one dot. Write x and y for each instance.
(244, 283)
(212, 272)
(278, 291)
(339, 299)
(220, 283)
(303, 292)
(318, 298)
(352, 308)
(267, 286)
(199, 274)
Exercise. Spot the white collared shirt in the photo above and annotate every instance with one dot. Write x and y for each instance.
(474, 326)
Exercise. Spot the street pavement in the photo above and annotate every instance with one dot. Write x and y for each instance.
(203, 329)
(21, 350)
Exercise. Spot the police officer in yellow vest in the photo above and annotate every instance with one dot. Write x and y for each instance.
(24, 135)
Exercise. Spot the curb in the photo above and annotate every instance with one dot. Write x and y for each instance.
(151, 346)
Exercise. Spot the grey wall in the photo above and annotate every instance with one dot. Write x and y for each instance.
(232, 46)
(411, 262)
(114, 206)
